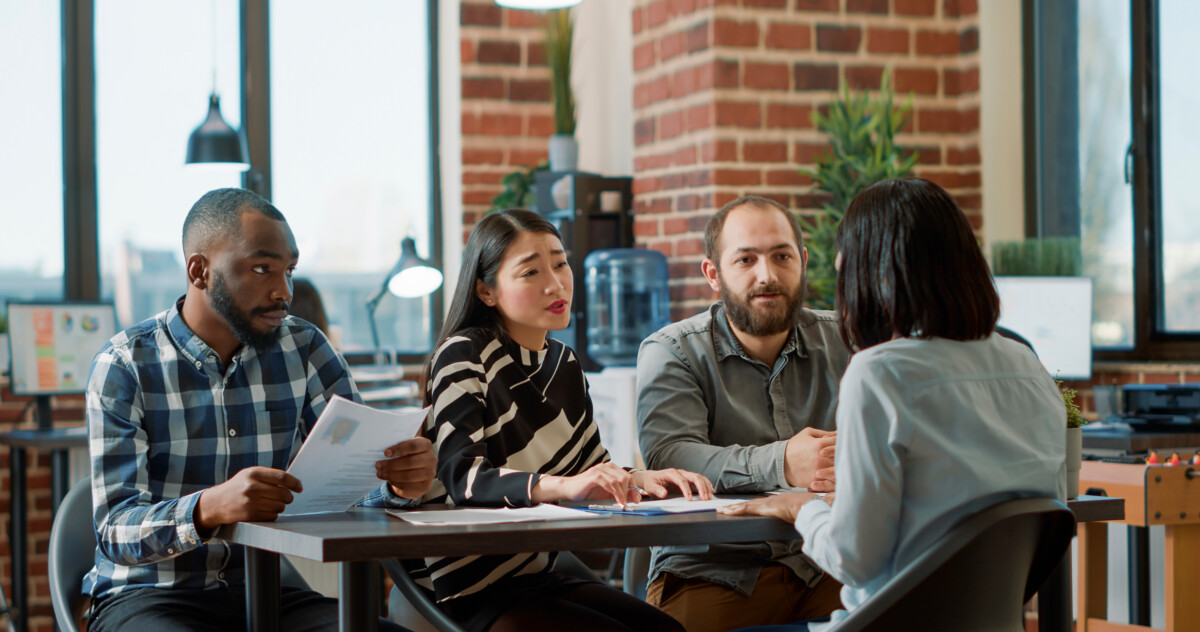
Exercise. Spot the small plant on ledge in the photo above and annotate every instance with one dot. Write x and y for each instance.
(1074, 417)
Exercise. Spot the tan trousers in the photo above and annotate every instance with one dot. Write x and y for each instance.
(779, 597)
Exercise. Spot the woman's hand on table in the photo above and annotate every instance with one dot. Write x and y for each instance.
(783, 506)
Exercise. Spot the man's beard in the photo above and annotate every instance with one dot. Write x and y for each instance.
(222, 302)
(760, 322)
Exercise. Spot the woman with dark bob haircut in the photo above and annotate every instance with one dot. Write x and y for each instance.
(938, 416)
(512, 425)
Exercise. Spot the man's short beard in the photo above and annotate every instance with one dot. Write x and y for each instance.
(222, 302)
(747, 319)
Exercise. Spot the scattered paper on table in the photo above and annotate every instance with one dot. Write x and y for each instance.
(482, 515)
(666, 506)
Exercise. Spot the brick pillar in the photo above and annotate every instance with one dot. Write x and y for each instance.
(507, 116)
(724, 91)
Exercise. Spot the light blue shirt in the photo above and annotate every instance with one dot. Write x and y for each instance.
(929, 432)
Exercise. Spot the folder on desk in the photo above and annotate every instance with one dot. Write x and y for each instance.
(661, 507)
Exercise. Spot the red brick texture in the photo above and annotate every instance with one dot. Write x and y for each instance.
(724, 92)
(506, 111)
(16, 413)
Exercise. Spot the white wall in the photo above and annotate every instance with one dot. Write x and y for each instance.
(602, 75)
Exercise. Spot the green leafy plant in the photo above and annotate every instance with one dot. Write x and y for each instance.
(520, 189)
(560, 30)
(1074, 417)
(1048, 256)
(862, 130)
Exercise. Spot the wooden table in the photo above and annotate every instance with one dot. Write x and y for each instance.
(1154, 495)
(357, 537)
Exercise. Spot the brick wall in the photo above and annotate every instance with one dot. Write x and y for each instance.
(507, 115)
(16, 413)
(724, 90)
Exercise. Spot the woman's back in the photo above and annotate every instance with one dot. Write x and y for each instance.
(935, 430)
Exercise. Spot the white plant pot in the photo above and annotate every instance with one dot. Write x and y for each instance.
(1074, 460)
(564, 153)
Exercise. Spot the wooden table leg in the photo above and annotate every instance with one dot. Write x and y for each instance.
(1182, 555)
(1092, 573)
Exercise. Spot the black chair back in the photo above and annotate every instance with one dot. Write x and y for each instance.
(977, 576)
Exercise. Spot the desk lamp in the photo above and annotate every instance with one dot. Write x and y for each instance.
(411, 277)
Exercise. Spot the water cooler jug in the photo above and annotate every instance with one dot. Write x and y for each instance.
(627, 300)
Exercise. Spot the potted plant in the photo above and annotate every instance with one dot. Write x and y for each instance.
(563, 149)
(862, 132)
(520, 189)
(1074, 438)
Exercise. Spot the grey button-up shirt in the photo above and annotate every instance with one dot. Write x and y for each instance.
(706, 406)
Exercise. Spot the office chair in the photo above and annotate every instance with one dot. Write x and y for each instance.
(73, 551)
(1012, 335)
(977, 576)
(636, 571)
(407, 596)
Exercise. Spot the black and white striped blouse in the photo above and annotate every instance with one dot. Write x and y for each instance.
(502, 417)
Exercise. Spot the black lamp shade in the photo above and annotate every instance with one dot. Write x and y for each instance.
(215, 142)
(413, 276)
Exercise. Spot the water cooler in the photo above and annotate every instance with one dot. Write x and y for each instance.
(626, 300)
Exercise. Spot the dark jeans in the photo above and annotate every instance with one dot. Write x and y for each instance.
(213, 610)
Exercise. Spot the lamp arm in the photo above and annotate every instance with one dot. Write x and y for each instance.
(372, 305)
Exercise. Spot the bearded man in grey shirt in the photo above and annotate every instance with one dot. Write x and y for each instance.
(744, 393)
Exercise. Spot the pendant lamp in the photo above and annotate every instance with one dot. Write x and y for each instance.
(214, 143)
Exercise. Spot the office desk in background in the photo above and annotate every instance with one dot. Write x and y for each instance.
(58, 441)
(1154, 496)
(358, 537)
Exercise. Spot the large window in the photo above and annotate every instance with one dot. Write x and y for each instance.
(144, 189)
(31, 251)
(335, 101)
(349, 128)
(1109, 146)
(1178, 105)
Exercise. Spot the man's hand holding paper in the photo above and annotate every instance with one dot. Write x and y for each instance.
(409, 468)
(339, 461)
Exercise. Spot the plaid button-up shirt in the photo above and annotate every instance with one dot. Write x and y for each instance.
(167, 420)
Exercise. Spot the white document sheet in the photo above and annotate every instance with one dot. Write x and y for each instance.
(480, 515)
(336, 464)
(675, 505)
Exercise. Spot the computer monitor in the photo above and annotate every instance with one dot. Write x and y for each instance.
(52, 344)
(1055, 315)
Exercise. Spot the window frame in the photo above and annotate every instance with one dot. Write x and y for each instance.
(1151, 341)
(81, 273)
